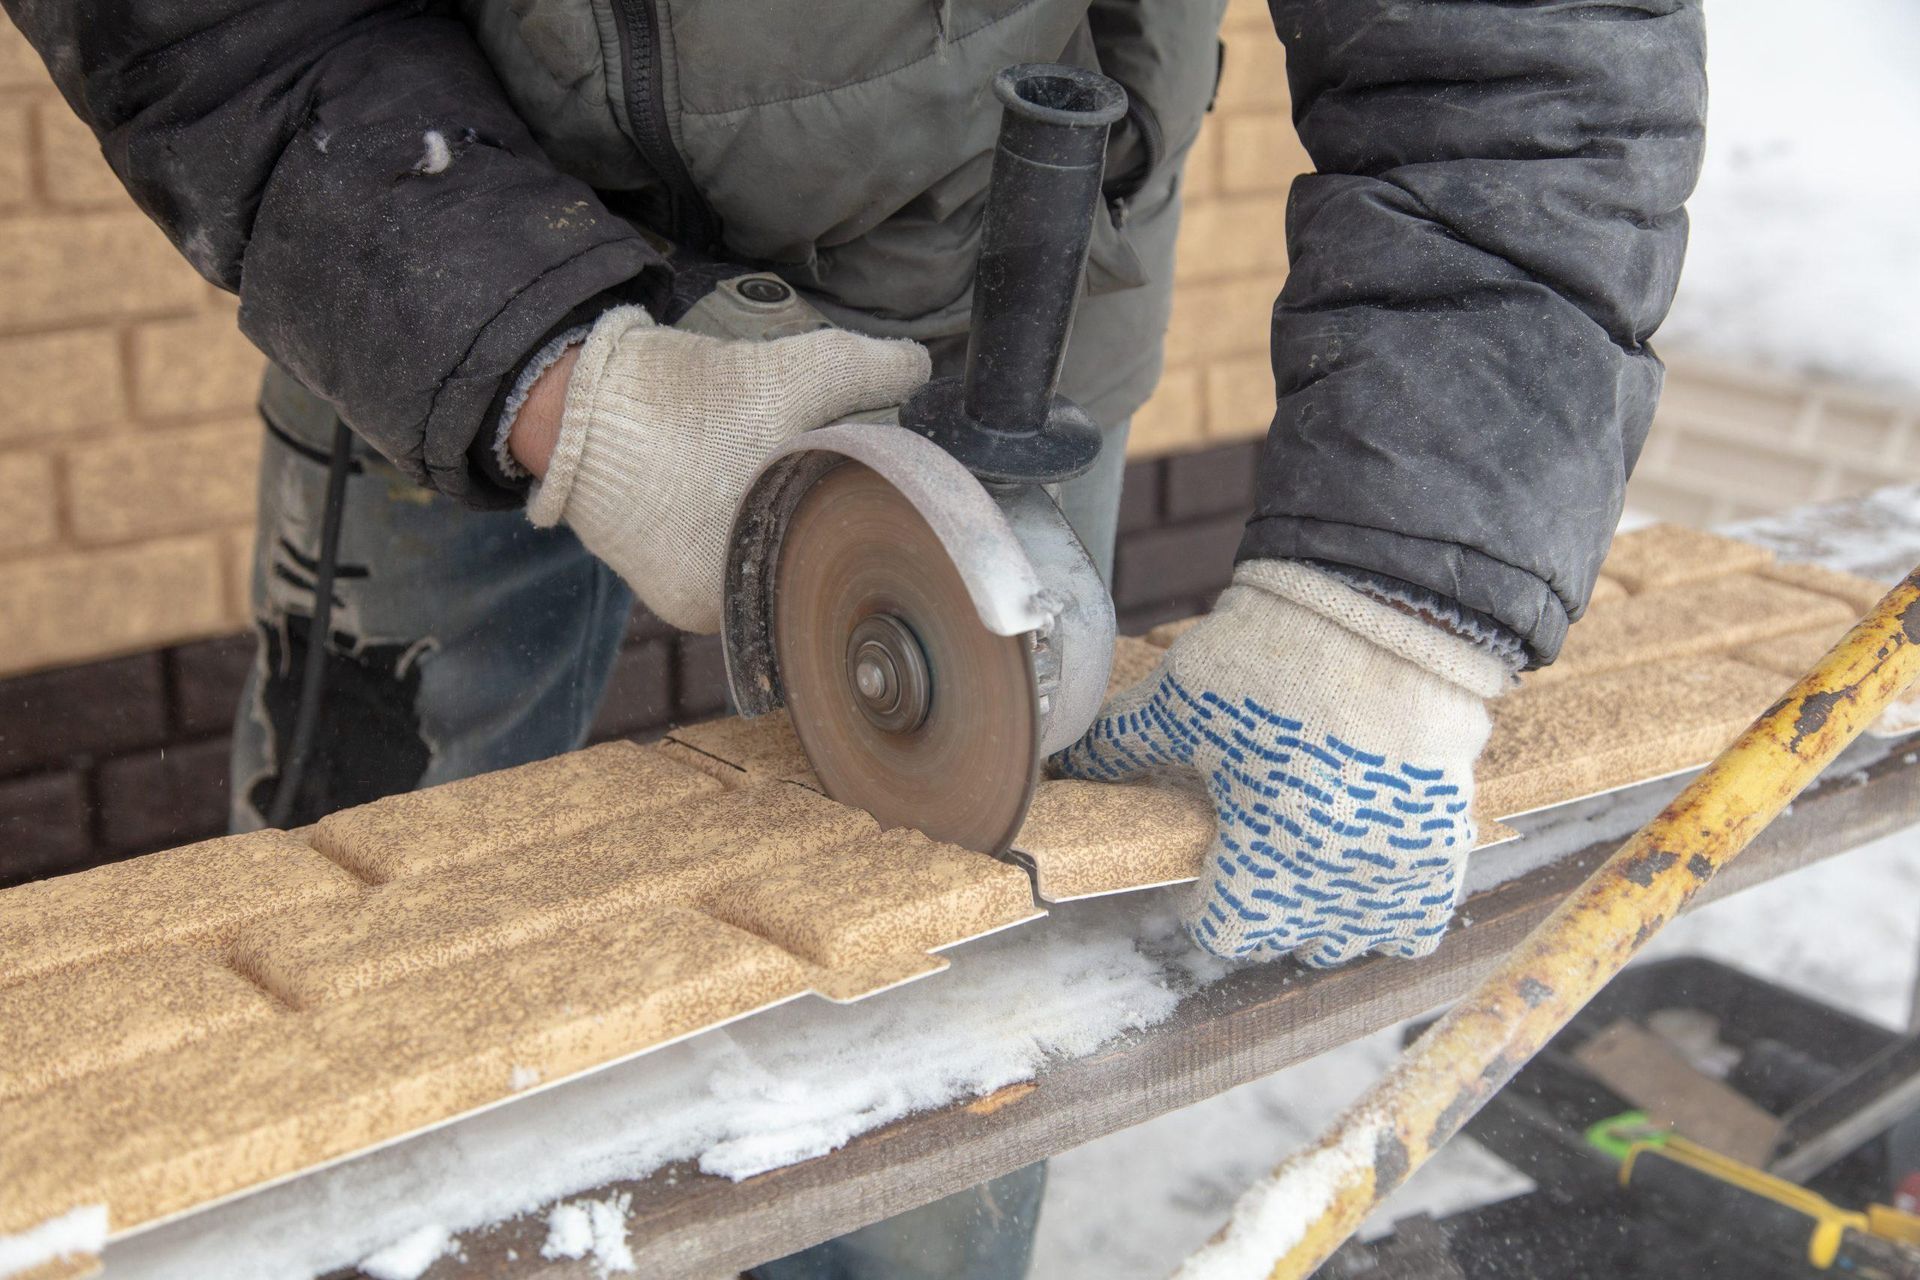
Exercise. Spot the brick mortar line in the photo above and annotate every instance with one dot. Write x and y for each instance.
(88, 762)
(106, 320)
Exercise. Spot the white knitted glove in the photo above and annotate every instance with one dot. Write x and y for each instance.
(663, 430)
(1337, 737)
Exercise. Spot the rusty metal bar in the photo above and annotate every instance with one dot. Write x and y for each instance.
(1308, 1206)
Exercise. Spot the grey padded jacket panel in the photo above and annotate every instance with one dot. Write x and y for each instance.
(846, 143)
(1494, 231)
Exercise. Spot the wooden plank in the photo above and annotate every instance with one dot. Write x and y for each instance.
(1246, 1026)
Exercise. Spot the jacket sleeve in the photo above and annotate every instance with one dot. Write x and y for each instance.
(1494, 231)
(353, 170)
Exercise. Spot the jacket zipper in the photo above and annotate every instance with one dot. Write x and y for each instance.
(693, 222)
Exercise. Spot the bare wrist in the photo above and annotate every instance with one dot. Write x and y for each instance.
(536, 428)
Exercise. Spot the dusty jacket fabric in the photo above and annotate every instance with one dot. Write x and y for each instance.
(1494, 231)
(408, 197)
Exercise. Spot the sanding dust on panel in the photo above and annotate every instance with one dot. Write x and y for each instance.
(1671, 555)
(685, 854)
(1559, 742)
(1686, 621)
(1857, 593)
(1072, 837)
(70, 1022)
(488, 815)
(195, 893)
(1133, 661)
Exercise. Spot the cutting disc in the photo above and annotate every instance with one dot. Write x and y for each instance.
(907, 706)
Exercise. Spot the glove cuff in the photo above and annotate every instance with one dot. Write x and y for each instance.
(1453, 658)
(547, 503)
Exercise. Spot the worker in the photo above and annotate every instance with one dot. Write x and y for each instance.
(444, 224)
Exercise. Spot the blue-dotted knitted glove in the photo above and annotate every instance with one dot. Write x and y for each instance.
(1337, 736)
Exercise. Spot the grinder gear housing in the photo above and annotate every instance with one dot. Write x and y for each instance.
(903, 582)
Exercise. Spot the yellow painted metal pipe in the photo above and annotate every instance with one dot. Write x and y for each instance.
(1307, 1207)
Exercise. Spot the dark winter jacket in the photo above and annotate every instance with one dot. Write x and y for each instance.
(408, 197)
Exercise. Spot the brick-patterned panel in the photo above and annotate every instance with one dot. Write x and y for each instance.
(1191, 559)
(1175, 416)
(1735, 441)
(640, 696)
(446, 988)
(1229, 237)
(20, 66)
(1261, 153)
(1222, 318)
(206, 681)
(1240, 398)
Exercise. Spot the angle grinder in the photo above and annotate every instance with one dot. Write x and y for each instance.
(904, 582)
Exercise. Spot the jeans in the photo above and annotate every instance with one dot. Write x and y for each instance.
(466, 641)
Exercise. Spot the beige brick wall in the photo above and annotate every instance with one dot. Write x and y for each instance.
(1232, 258)
(127, 449)
(1732, 441)
(128, 443)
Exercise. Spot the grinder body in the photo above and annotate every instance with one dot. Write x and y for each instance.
(904, 581)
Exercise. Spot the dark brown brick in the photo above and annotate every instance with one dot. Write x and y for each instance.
(699, 678)
(55, 716)
(159, 799)
(1137, 622)
(1140, 495)
(207, 678)
(640, 697)
(1178, 563)
(43, 826)
(1212, 482)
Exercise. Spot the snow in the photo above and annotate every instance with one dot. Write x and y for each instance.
(408, 1257)
(1275, 1213)
(437, 156)
(77, 1232)
(596, 1228)
(1803, 254)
